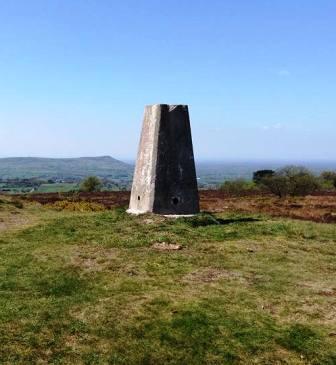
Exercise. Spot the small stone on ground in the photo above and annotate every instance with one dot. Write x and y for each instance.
(163, 246)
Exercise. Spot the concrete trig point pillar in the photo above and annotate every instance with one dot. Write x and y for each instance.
(165, 178)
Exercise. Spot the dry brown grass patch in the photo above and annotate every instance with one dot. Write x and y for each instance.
(209, 275)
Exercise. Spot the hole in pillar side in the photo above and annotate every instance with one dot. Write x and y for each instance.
(138, 197)
(175, 200)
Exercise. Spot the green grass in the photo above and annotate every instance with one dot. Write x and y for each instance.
(88, 288)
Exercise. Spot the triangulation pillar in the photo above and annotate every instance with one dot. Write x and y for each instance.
(165, 177)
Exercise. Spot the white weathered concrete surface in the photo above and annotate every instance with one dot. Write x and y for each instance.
(142, 195)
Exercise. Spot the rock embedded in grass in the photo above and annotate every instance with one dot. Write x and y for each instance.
(163, 246)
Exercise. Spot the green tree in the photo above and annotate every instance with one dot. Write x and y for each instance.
(91, 184)
(259, 175)
(291, 180)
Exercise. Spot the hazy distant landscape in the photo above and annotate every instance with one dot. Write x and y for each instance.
(212, 173)
(24, 174)
(63, 168)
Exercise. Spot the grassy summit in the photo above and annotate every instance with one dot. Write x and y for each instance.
(90, 288)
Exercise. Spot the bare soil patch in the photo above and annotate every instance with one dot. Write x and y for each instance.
(92, 259)
(12, 215)
(12, 220)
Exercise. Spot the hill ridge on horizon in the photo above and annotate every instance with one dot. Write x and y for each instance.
(59, 158)
(75, 167)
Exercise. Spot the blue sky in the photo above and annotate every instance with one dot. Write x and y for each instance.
(259, 76)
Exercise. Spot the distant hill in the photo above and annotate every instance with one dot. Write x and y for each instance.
(28, 167)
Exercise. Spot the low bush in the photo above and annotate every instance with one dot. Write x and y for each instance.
(277, 185)
(328, 179)
(238, 187)
(291, 180)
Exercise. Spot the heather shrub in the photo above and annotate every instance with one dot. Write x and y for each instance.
(82, 206)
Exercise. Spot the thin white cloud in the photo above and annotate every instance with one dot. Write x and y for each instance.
(272, 127)
(283, 72)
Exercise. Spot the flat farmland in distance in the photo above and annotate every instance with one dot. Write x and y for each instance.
(57, 187)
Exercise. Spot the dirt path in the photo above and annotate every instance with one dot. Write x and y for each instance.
(14, 215)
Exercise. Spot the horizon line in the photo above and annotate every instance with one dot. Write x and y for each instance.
(199, 160)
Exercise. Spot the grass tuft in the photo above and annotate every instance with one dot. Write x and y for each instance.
(61, 283)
